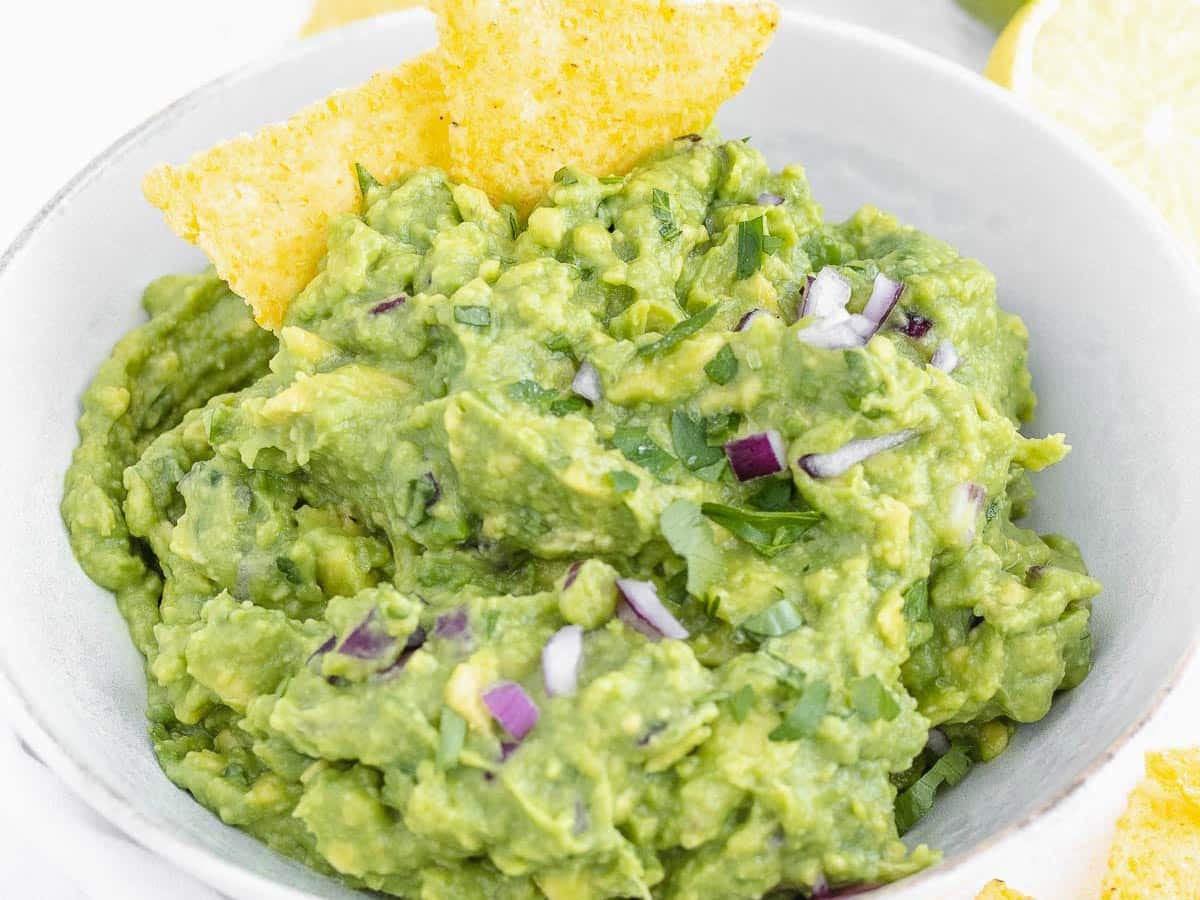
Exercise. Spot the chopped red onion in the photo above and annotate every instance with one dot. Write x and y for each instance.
(587, 383)
(560, 661)
(626, 614)
(642, 599)
(512, 708)
(916, 326)
(452, 624)
(937, 743)
(387, 305)
(766, 198)
(368, 640)
(828, 293)
(965, 507)
(884, 296)
(838, 331)
(748, 319)
(831, 465)
(572, 573)
(327, 645)
(945, 357)
(757, 455)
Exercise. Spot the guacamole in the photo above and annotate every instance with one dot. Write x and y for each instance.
(661, 546)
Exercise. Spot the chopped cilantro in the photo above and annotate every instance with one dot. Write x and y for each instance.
(566, 177)
(288, 568)
(623, 482)
(366, 180)
(873, 701)
(767, 532)
(489, 622)
(638, 447)
(690, 442)
(691, 537)
(752, 243)
(913, 803)
(778, 619)
(806, 715)
(723, 367)
(477, 316)
(680, 332)
(514, 226)
(613, 179)
(776, 495)
(660, 204)
(451, 732)
(916, 601)
(741, 702)
(993, 510)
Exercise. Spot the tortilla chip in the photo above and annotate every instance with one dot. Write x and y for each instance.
(1156, 852)
(327, 14)
(533, 85)
(258, 206)
(998, 890)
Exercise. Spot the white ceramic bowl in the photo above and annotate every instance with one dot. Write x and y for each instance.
(1109, 299)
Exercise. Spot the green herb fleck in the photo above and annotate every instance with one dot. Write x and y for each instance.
(639, 448)
(366, 181)
(741, 702)
(567, 404)
(806, 715)
(916, 601)
(778, 619)
(452, 731)
(873, 701)
(613, 179)
(514, 225)
(565, 176)
(489, 622)
(690, 442)
(288, 568)
(993, 510)
(691, 537)
(776, 495)
(623, 482)
(559, 343)
(660, 204)
(477, 316)
(913, 803)
(723, 367)
(767, 532)
(421, 492)
(530, 392)
(680, 332)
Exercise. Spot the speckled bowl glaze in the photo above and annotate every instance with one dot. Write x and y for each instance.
(1110, 300)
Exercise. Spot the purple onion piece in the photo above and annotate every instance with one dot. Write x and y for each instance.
(885, 294)
(560, 661)
(937, 743)
(512, 708)
(826, 294)
(453, 624)
(766, 198)
(839, 331)
(387, 305)
(916, 326)
(368, 640)
(840, 461)
(965, 506)
(507, 749)
(572, 573)
(945, 357)
(642, 599)
(626, 614)
(587, 383)
(757, 455)
(328, 644)
(748, 319)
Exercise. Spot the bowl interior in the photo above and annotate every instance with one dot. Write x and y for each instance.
(1109, 300)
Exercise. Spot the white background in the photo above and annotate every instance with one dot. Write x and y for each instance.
(77, 74)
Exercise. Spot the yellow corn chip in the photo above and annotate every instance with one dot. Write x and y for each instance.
(998, 890)
(258, 206)
(533, 85)
(1156, 853)
(327, 14)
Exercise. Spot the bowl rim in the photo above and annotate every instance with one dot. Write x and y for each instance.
(213, 870)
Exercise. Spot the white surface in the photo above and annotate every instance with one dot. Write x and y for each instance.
(83, 84)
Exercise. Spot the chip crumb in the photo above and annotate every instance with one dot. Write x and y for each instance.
(998, 890)
(330, 14)
(532, 87)
(259, 205)
(1156, 851)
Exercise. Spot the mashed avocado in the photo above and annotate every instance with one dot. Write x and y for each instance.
(331, 546)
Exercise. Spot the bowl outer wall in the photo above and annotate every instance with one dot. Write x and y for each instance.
(1109, 298)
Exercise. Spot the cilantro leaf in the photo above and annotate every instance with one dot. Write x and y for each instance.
(690, 442)
(767, 532)
(912, 804)
(752, 242)
(774, 496)
(623, 482)
(477, 316)
(660, 204)
(872, 700)
(741, 702)
(366, 180)
(489, 622)
(638, 447)
(451, 732)
(689, 535)
(723, 367)
(916, 601)
(806, 715)
(680, 332)
(779, 618)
